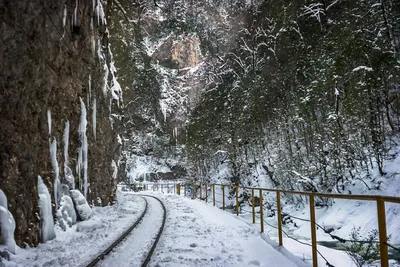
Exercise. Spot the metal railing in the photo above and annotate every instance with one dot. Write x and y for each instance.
(380, 201)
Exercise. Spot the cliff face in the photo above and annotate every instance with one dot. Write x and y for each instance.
(53, 55)
(179, 53)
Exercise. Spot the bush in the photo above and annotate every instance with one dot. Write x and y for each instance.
(363, 251)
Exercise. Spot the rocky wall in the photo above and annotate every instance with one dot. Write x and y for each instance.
(52, 54)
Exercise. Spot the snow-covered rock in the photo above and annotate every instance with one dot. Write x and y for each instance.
(81, 205)
(46, 217)
(7, 225)
(66, 215)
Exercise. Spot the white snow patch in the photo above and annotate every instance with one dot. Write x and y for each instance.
(362, 68)
(81, 205)
(116, 90)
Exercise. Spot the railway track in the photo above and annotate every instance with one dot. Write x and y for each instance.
(137, 244)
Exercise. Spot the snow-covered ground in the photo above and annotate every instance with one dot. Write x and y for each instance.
(197, 234)
(135, 247)
(85, 240)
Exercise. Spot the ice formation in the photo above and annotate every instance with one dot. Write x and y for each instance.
(56, 170)
(81, 205)
(69, 177)
(66, 144)
(74, 22)
(46, 217)
(7, 224)
(94, 114)
(83, 148)
(49, 120)
(115, 169)
(105, 81)
(66, 215)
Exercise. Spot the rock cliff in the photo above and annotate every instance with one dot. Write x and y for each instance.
(55, 71)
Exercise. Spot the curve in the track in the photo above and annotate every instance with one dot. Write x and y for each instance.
(147, 260)
(122, 237)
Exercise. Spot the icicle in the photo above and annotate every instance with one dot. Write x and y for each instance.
(66, 143)
(98, 12)
(65, 16)
(83, 149)
(94, 112)
(49, 120)
(176, 135)
(100, 52)
(163, 109)
(89, 94)
(115, 169)
(56, 170)
(105, 68)
(93, 42)
(75, 13)
(46, 216)
(64, 20)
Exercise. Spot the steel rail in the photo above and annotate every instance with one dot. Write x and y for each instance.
(147, 260)
(122, 237)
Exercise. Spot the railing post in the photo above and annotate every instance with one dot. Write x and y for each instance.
(201, 195)
(223, 197)
(261, 212)
(252, 205)
(382, 233)
(278, 207)
(213, 191)
(313, 232)
(206, 192)
(237, 200)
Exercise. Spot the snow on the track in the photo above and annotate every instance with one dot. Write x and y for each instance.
(79, 244)
(197, 234)
(134, 249)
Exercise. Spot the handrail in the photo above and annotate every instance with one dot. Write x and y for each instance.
(380, 200)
